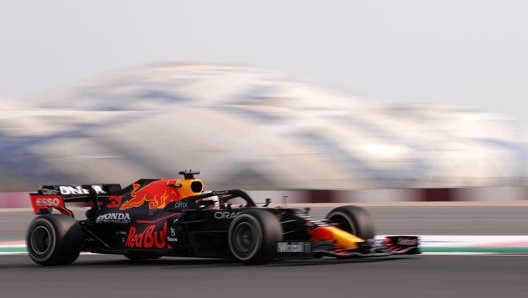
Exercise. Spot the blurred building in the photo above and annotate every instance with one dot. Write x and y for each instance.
(249, 128)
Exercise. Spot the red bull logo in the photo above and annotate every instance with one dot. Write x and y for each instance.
(158, 194)
(148, 238)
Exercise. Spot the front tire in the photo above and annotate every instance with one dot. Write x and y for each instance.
(54, 239)
(253, 236)
(354, 220)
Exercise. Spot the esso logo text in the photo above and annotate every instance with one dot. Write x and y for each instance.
(47, 202)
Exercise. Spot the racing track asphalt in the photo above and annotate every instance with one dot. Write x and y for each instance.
(425, 276)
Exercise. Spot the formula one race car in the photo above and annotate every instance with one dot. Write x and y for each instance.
(176, 217)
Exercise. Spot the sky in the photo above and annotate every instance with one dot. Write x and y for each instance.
(472, 53)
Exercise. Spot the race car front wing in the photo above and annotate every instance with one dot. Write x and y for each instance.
(381, 247)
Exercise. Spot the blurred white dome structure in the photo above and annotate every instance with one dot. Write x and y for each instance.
(249, 128)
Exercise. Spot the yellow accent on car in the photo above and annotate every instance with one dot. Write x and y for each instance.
(344, 239)
(189, 187)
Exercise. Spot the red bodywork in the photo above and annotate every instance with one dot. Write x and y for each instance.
(42, 203)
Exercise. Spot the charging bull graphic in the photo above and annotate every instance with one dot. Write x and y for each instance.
(157, 193)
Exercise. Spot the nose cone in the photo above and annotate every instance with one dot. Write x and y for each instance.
(337, 236)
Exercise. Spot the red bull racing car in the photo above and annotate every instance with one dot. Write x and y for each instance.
(152, 218)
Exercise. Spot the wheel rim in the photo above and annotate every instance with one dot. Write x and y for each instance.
(41, 240)
(244, 240)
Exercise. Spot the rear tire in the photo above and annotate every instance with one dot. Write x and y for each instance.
(354, 220)
(54, 239)
(253, 236)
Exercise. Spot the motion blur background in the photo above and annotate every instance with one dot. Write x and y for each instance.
(320, 100)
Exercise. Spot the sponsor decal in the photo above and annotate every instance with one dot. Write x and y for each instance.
(293, 247)
(48, 202)
(114, 202)
(79, 190)
(225, 214)
(120, 218)
(172, 235)
(156, 193)
(407, 241)
(40, 202)
(148, 238)
(181, 205)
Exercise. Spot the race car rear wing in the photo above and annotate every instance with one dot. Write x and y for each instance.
(55, 196)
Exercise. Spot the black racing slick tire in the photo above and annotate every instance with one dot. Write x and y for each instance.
(253, 236)
(354, 220)
(54, 239)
